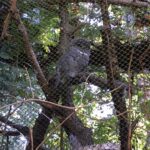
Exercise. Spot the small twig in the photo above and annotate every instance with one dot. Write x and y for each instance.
(28, 76)
(11, 113)
(86, 82)
(31, 137)
(45, 116)
(42, 102)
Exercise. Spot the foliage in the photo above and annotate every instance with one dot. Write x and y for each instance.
(19, 83)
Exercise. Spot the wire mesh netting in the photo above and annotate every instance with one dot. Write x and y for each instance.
(74, 75)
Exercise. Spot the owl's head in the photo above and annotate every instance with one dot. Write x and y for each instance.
(81, 43)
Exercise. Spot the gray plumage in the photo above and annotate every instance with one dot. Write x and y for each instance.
(74, 61)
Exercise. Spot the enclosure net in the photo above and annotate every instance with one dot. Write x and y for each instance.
(74, 75)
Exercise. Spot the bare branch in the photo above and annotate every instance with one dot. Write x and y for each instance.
(9, 133)
(29, 51)
(137, 3)
(22, 129)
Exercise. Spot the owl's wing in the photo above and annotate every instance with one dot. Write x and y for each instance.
(72, 63)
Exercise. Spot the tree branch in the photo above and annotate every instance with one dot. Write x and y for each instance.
(113, 74)
(10, 133)
(97, 81)
(137, 3)
(30, 53)
(64, 28)
(22, 129)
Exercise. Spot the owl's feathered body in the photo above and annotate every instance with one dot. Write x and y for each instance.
(74, 61)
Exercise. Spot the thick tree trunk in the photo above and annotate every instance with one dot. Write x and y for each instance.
(112, 69)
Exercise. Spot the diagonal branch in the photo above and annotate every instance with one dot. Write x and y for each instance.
(29, 51)
(22, 129)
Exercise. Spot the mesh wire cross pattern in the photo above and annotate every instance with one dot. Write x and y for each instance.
(74, 75)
